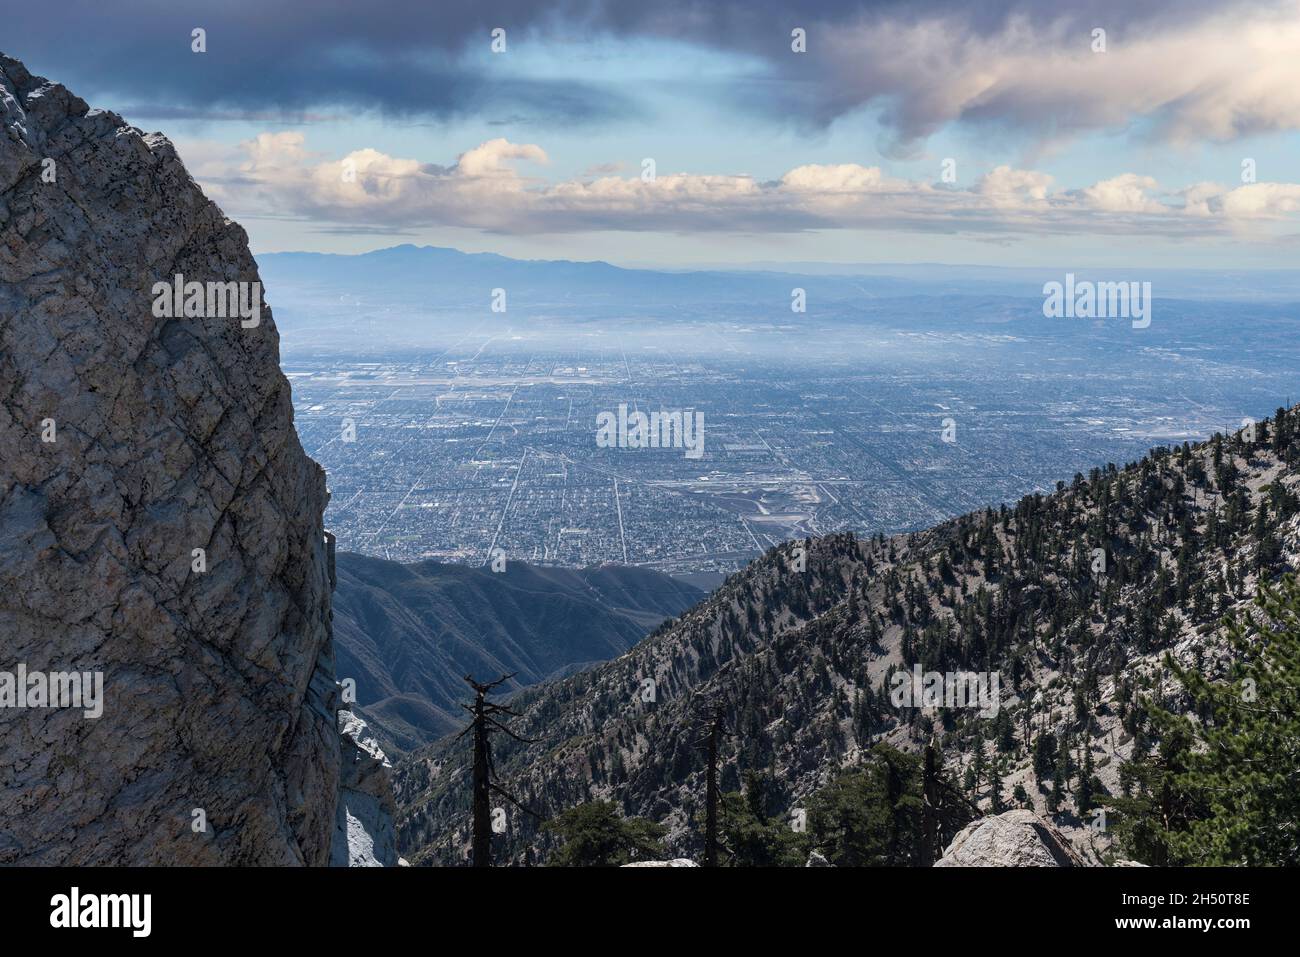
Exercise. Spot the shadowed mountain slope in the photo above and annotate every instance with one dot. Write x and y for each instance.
(407, 634)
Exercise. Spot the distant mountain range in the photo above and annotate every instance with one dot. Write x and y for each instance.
(438, 277)
(408, 634)
(442, 275)
(407, 297)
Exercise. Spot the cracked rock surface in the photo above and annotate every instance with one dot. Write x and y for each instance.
(365, 834)
(1017, 838)
(169, 435)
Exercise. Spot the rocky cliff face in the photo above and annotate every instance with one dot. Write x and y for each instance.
(364, 832)
(160, 525)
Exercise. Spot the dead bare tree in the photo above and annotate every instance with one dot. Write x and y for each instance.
(710, 744)
(486, 723)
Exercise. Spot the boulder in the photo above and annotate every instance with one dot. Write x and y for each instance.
(1017, 838)
(675, 862)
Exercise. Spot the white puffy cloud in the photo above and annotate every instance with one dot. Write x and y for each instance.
(489, 159)
(1126, 193)
(487, 189)
(1007, 188)
(842, 177)
(1261, 200)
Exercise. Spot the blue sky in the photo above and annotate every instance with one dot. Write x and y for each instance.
(320, 127)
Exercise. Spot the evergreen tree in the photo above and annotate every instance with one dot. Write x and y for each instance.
(873, 816)
(1225, 787)
(753, 838)
(596, 835)
(1044, 757)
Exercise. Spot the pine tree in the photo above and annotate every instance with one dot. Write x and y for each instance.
(1225, 789)
(1044, 757)
(878, 814)
(751, 837)
(596, 835)
(1057, 795)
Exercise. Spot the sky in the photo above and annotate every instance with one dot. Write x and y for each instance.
(1162, 133)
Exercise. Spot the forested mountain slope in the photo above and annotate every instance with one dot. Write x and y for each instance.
(1072, 599)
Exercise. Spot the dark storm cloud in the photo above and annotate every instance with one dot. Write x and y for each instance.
(299, 57)
(921, 63)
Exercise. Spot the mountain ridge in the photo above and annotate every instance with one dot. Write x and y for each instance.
(407, 633)
(801, 661)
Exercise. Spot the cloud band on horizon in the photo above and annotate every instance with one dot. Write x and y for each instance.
(485, 190)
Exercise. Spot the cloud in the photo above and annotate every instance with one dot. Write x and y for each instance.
(155, 112)
(495, 187)
(1007, 188)
(1174, 70)
(840, 178)
(1259, 200)
(300, 58)
(1126, 193)
(490, 158)
(1203, 74)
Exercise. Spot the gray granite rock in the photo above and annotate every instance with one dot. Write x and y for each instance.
(675, 862)
(169, 435)
(1012, 839)
(365, 834)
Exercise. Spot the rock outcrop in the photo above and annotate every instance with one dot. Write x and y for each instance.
(160, 525)
(1011, 839)
(675, 862)
(364, 831)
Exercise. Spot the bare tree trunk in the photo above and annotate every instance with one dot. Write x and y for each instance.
(482, 808)
(711, 796)
(930, 806)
